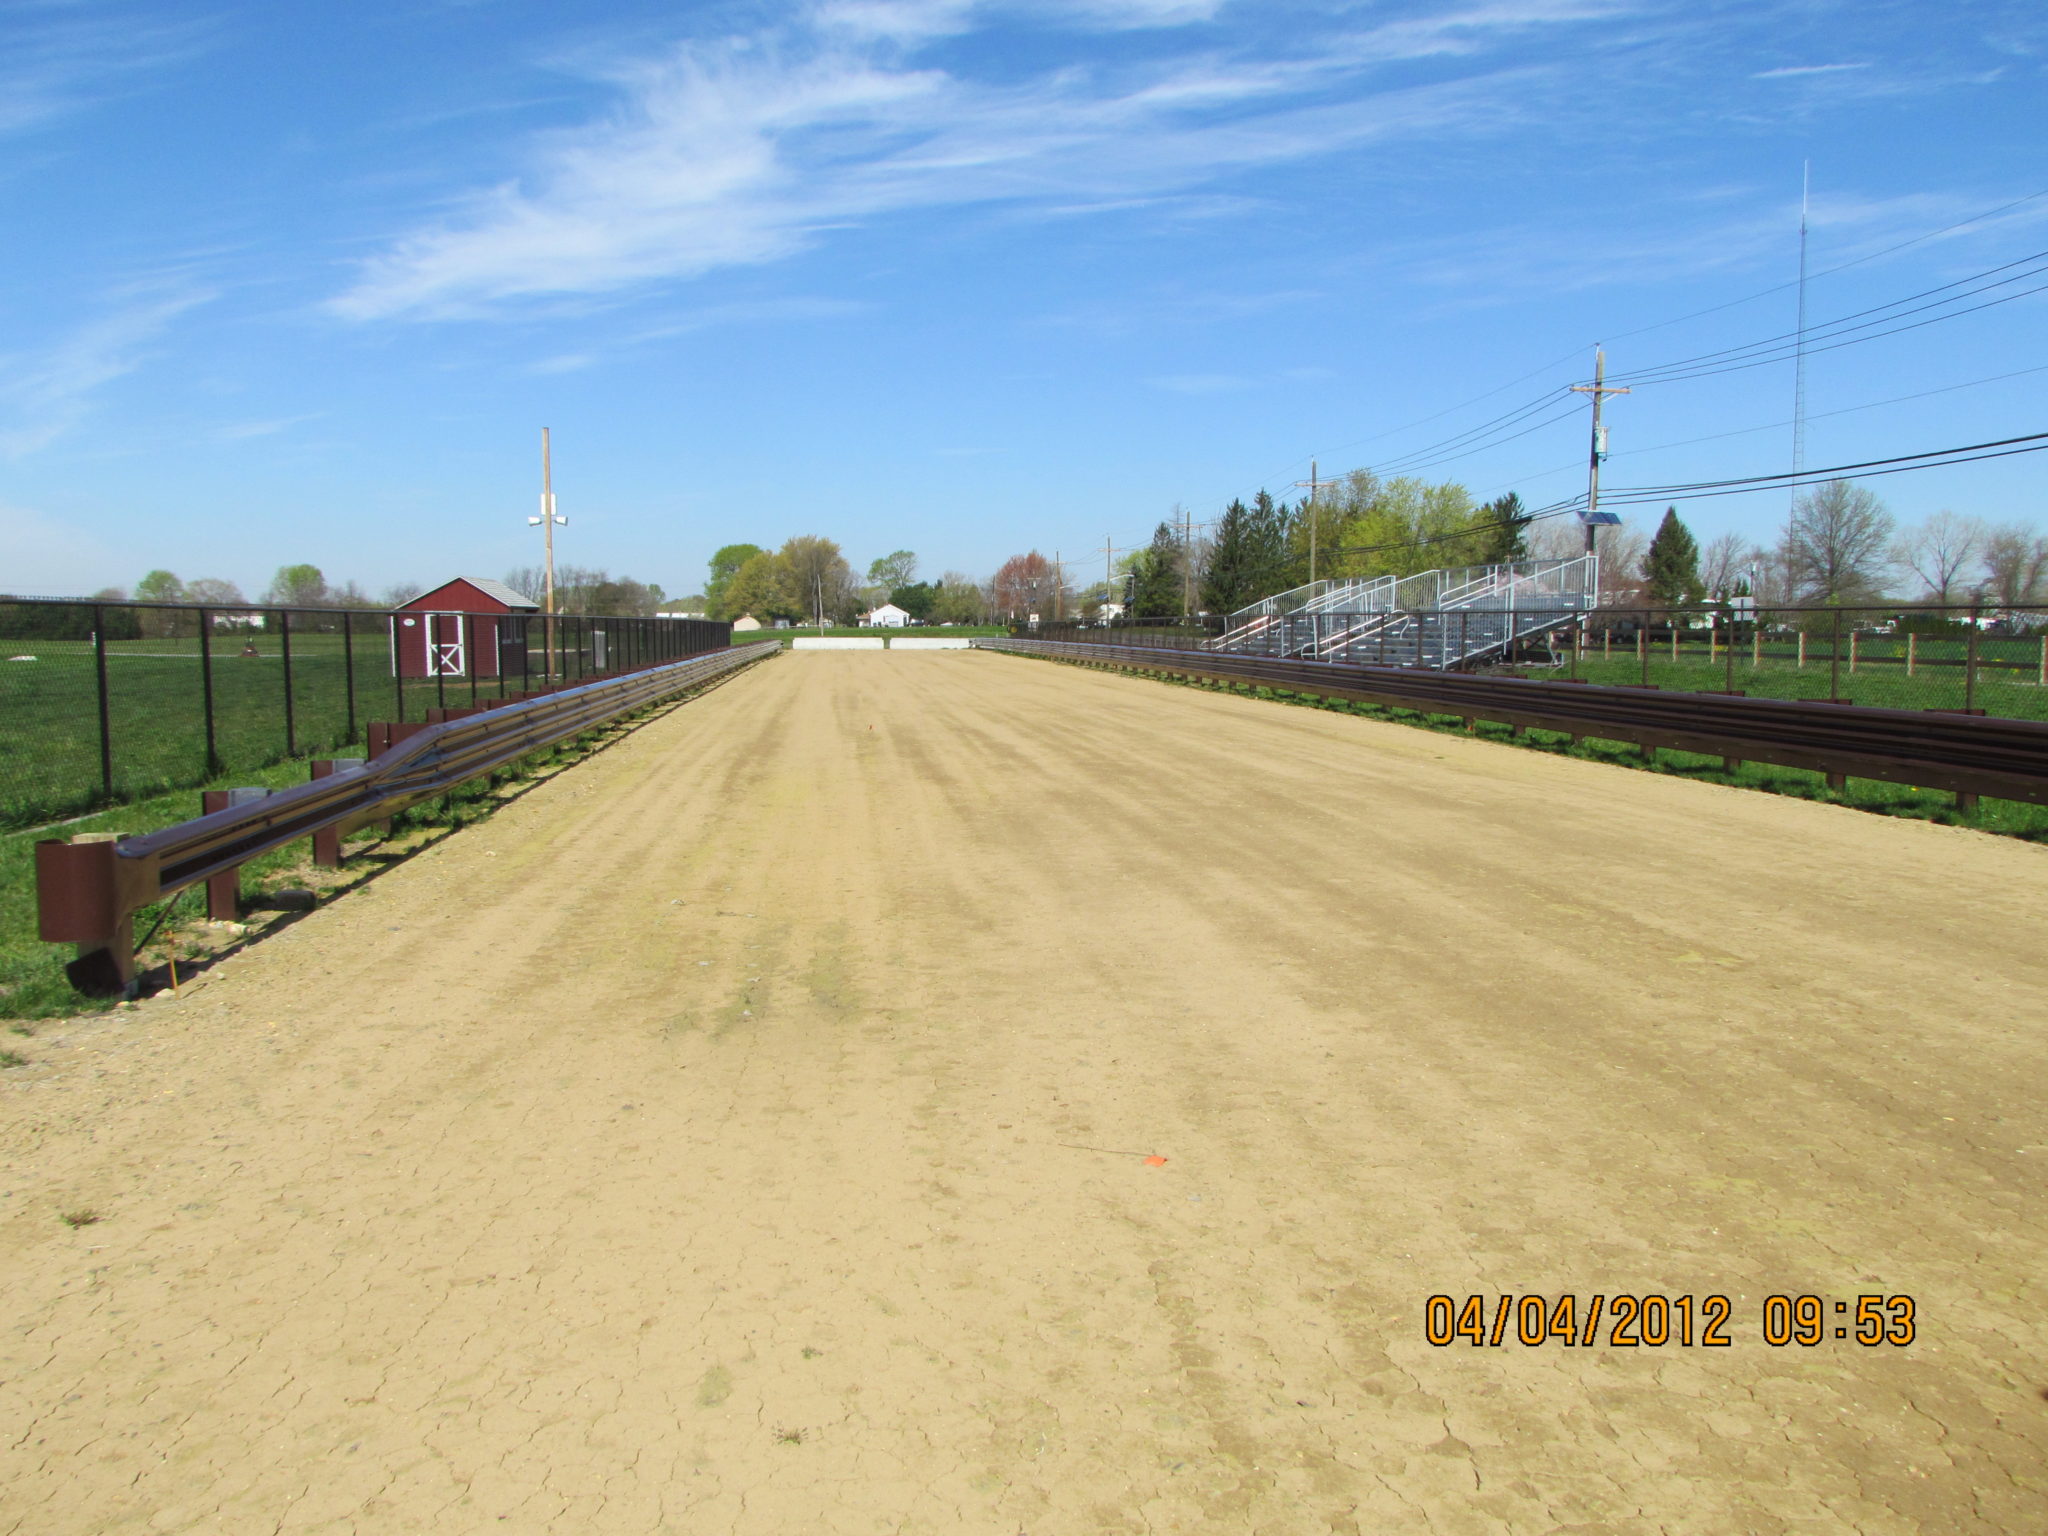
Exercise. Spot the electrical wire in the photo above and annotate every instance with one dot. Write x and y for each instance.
(1769, 426)
(1933, 458)
(1764, 293)
(1777, 348)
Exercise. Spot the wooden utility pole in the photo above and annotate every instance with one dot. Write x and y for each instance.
(1059, 587)
(1599, 390)
(1314, 485)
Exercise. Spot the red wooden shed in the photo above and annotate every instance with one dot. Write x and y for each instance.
(471, 626)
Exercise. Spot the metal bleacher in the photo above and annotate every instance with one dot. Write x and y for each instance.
(1439, 619)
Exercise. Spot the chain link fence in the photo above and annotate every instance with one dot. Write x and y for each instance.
(103, 703)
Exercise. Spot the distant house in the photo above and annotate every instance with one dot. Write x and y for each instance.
(888, 616)
(745, 621)
(471, 626)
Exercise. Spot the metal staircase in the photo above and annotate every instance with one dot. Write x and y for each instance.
(1438, 619)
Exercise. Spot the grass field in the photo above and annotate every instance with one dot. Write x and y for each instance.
(49, 715)
(2008, 673)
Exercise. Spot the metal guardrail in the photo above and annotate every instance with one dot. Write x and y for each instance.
(89, 892)
(1969, 754)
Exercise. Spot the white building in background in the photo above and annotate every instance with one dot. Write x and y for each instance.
(745, 621)
(888, 616)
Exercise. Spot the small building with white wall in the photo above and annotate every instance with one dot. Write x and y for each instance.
(888, 616)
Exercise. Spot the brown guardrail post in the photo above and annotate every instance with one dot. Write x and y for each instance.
(224, 890)
(327, 841)
(78, 901)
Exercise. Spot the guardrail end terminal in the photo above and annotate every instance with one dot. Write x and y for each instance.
(78, 901)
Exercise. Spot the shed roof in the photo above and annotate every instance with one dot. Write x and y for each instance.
(496, 591)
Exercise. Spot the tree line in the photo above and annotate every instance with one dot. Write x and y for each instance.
(1839, 546)
(809, 581)
(578, 589)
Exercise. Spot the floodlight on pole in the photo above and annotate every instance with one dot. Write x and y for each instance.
(548, 520)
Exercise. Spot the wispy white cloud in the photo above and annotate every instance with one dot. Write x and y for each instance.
(1672, 243)
(917, 20)
(44, 394)
(242, 431)
(750, 150)
(1794, 71)
(60, 56)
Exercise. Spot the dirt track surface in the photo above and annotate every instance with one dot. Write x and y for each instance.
(703, 1145)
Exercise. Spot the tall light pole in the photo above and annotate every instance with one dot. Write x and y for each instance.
(547, 520)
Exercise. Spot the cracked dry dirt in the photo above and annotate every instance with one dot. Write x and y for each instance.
(697, 1147)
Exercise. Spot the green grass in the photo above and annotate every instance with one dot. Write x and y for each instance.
(2007, 682)
(49, 714)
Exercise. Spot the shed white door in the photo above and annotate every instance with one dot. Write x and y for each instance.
(445, 651)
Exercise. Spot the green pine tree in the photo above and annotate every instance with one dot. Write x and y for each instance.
(1157, 569)
(1231, 561)
(1671, 569)
(1507, 541)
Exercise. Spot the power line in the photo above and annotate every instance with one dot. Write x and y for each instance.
(1637, 495)
(1764, 293)
(1772, 426)
(1839, 327)
(1934, 458)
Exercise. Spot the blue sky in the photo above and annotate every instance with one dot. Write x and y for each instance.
(304, 282)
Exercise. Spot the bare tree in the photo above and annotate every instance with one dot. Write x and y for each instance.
(1724, 564)
(1835, 544)
(2015, 567)
(1940, 552)
(214, 592)
(1555, 538)
(1773, 585)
